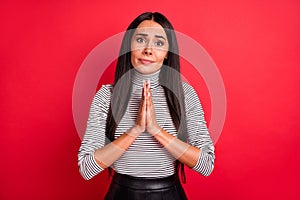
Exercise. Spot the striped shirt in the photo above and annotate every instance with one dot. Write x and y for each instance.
(146, 157)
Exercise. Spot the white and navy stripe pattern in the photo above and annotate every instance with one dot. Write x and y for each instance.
(146, 157)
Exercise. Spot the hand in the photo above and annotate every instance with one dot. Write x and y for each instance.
(151, 124)
(146, 119)
(140, 124)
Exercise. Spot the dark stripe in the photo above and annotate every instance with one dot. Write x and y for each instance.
(145, 157)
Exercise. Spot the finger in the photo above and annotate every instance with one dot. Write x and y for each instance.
(145, 97)
(142, 108)
(144, 105)
(149, 97)
(148, 89)
(143, 91)
(149, 105)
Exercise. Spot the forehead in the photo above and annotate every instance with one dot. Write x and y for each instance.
(151, 28)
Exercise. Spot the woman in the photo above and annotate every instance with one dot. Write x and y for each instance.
(149, 123)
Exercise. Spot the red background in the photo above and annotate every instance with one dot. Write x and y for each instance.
(255, 45)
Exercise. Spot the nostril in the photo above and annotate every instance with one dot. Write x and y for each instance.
(147, 52)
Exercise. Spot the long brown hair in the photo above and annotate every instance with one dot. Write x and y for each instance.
(169, 79)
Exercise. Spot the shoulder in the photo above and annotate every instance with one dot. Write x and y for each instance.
(188, 90)
(103, 94)
(105, 90)
(190, 96)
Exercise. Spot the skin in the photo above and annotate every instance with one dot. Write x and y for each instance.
(147, 121)
(149, 48)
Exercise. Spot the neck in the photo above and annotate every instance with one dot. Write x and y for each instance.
(138, 78)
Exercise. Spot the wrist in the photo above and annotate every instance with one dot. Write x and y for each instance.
(134, 131)
(155, 130)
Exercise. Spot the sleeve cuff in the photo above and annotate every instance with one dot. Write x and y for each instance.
(204, 164)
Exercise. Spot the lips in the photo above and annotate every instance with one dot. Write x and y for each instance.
(145, 61)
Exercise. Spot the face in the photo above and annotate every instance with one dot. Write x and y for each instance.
(149, 47)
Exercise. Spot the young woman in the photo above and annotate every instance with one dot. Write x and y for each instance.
(148, 123)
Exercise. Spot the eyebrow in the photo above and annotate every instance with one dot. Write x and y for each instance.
(157, 36)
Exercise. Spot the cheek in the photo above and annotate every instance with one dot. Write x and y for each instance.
(134, 56)
(135, 53)
(161, 55)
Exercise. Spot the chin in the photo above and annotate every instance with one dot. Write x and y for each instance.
(147, 69)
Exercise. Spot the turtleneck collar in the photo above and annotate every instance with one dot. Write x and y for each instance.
(138, 78)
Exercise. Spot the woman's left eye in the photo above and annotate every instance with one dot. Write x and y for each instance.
(159, 43)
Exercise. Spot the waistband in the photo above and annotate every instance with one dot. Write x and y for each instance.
(145, 183)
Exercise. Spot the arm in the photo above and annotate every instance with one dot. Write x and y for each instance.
(199, 153)
(198, 135)
(182, 151)
(94, 136)
(94, 156)
(111, 152)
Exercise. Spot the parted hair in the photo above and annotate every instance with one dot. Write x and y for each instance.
(169, 79)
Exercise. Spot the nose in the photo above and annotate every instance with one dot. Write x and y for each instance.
(147, 51)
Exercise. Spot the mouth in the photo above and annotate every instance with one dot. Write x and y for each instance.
(145, 61)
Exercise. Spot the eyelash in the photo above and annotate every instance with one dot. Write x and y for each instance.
(142, 40)
(159, 43)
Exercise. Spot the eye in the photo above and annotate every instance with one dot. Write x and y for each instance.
(140, 40)
(159, 43)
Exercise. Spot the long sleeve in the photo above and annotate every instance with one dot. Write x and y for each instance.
(198, 134)
(94, 137)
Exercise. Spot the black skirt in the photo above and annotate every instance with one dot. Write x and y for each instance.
(125, 187)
